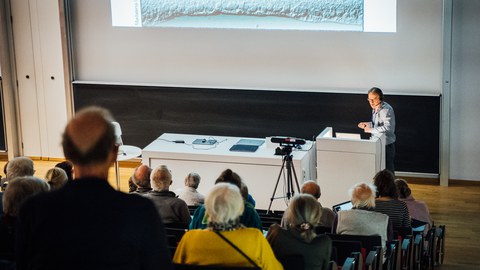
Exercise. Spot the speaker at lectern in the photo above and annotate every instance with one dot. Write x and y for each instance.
(343, 161)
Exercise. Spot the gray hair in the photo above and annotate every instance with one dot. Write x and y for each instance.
(192, 180)
(224, 203)
(19, 166)
(363, 195)
(160, 178)
(18, 190)
(56, 178)
(303, 214)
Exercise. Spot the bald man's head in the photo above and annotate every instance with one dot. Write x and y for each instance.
(312, 188)
(89, 138)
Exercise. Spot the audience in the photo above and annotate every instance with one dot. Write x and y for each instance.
(67, 166)
(56, 178)
(312, 188)
(387, 200)
(141, 179)
(190, 193)
(418, 210)
(301, 217)
(246, 195)
(249, 217)
(17, 192)
(19, 166)
(362, 219)
(88, 224)
(172, 209)
(4, 181)
(226, 241)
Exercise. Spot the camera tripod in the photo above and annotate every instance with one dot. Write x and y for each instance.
(286, 152)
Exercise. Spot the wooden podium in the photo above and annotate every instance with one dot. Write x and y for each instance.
(343, 162)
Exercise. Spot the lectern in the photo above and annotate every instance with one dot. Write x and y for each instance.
(343, 162)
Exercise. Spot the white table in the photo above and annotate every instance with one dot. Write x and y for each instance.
(342, 163)
(259, 170)
(125, 152)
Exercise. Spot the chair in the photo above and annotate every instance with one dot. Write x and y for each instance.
(440, 245)
(428, 257)
(391, 255)
(417, 252)
(323, 230)
(174, 235)
(192, 208)
(369, 242)
(406, 253)
(374, 259)
(344, 250)
(358, 259)
(332, 265)
(292, 261)
(349, 264)
(177, 266)
(267, 221)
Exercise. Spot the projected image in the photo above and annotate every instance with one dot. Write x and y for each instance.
(341, 15)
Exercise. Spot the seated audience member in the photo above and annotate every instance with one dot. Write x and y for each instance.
(225, 238)
(171, 208)
(87, 224)
(301, 217)
(141, 179)
(17, 192)
(247, 196)
(418, 210)
(67, 166)
(387, 200)
(56, 178)
(362, 219)
(4, 181)
(249, 217)
(20, 166)
(312, 188)
(189, 193)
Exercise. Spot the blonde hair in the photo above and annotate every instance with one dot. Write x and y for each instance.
(303, 214)
(224, 203)
(363, 195)
(56, 178)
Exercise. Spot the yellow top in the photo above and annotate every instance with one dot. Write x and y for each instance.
(205, 247)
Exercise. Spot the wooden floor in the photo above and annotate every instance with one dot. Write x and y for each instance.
(456, 206)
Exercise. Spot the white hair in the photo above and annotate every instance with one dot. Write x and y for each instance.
(224, 203)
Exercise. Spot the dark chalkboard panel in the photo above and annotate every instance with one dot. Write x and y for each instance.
(145, 112)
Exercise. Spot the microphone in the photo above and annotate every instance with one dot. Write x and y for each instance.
(287, 140)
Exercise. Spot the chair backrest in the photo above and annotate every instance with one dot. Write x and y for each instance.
(349, 264)
(192, 208)
(292, 261)
(174, 235)
(391, 255)
(323, 230)
(369, 242)
(344, 249)
(374, 259)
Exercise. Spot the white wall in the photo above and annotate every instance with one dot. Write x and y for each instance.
(465, 93)
(409, 61)
(40, 75)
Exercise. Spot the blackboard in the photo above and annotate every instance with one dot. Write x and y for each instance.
(145, 112)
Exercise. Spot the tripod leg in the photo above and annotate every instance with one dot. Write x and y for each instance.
(276, 185)
(295, 175)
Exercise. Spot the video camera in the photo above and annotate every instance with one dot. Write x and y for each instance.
(286, 144)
